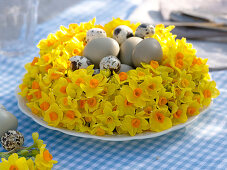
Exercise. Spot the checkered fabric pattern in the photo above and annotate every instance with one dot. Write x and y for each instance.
(201, 145)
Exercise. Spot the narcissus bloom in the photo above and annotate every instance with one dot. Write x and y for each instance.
(159, 121)
(134, 124)
(14, 162)
(109, 117)
(53, 115)
(44, 160)
(124, 106)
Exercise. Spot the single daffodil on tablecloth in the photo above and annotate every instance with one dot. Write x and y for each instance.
(44, 160)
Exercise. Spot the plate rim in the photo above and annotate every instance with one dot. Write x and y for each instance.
(21, 104)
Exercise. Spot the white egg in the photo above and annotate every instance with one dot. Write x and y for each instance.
(110, 62)
(95, 33)
(7, 121)
(144, 30)
(121, 33)
(79, 62)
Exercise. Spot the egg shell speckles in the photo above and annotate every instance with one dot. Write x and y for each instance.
(121, 33)
(95, 33)
(78, 62)
(145, 30)
(110, 62)
(96, 71)
(12, 139)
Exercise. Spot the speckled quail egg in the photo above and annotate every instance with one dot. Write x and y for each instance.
(12, 139)
(144, 30)
(78, 62)
(127, 48)
(125, 68)
(7, 121)
(98, 48)
(121, 33)
(110, 62)
(96, 71)
(147, 50)
(95, 33)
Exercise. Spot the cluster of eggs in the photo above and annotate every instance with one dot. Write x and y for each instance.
(120, 53)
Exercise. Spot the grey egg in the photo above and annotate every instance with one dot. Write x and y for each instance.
(144, 30)
(125, 68)
(95, 33)
(7, 121)
(147, 50)
(121, 33)
(110, 62)
(127, 48)
(12, 139)
(98, 48)
(79, 62)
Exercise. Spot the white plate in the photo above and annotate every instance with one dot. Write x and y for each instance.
(145, 135)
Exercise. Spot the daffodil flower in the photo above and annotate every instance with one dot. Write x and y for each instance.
(44, 160)
(159, 121)
(163, 98)
(124, 106)
(53, 115)
(180, 115)
(109, 117)
(208, 90)
(134, 124)
(100, 130)
(94, 85)
(59, 88)
(45, 101)
(193, 108)
(152, 85)
(14, 162)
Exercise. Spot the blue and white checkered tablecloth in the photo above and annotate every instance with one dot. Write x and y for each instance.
(201, 145)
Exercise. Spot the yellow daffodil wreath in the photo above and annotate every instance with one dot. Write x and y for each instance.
(153, 97)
